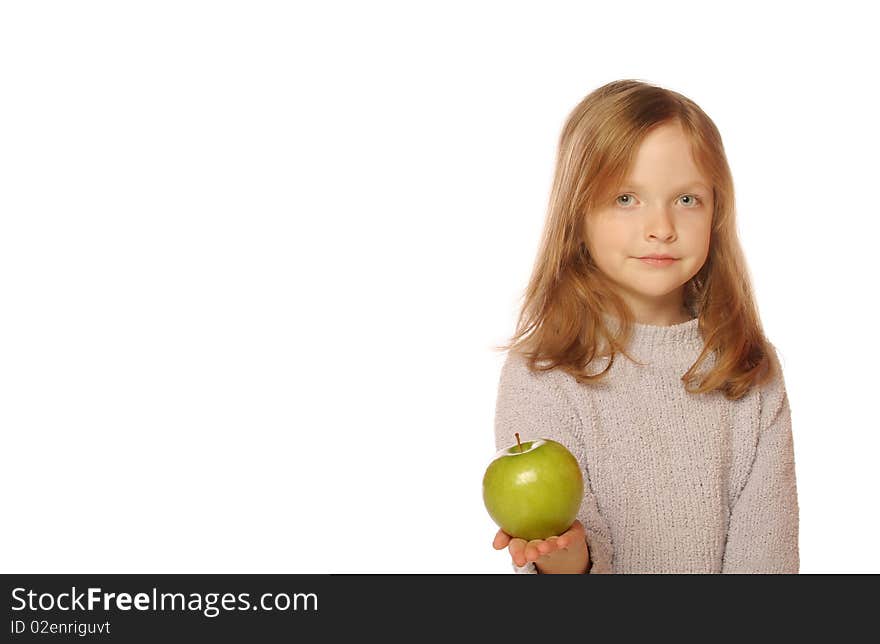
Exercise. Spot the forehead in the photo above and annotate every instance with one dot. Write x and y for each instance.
(691, 184)
(664, 159)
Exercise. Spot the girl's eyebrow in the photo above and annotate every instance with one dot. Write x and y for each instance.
(692, 184)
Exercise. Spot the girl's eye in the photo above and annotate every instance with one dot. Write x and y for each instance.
(692, 200)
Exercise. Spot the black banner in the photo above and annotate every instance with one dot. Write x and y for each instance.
(264, 608)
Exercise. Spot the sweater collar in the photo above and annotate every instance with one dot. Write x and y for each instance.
(663, 344)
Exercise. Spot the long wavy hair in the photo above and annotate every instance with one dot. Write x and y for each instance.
(563, 308)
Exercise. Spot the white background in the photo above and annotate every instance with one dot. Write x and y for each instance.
(254, 257)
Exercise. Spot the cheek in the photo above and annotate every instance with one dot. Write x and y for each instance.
(696, 233)
(610, 241)
(702, 237)
(609, 238)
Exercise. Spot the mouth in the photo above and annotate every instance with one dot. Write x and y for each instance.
(658, 261)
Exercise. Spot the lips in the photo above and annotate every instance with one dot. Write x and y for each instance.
(653, 261)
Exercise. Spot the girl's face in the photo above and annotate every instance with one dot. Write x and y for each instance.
(664, 207)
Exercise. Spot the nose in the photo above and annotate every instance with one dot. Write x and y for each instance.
(659, 225)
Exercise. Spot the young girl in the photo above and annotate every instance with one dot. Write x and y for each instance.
(654, 373)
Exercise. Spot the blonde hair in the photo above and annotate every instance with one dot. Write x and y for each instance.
(562, 312)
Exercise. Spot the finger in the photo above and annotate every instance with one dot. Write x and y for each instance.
(555, 542)
(517, 551)
(532, 549)
(501, 540)
(549, 545)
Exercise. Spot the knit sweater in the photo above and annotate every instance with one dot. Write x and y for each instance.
(673, 482)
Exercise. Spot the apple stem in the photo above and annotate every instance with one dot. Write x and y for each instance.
(517, 441)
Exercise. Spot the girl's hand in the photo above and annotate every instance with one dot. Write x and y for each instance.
(566, 553)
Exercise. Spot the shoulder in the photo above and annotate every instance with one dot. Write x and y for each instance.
(516, 372)
(536, 386)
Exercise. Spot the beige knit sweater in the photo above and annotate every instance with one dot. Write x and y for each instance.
(674, 482)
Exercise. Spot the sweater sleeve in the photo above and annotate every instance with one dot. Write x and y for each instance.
(762, 535)
(536, 407)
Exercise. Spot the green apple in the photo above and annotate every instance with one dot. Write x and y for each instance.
(533, 490)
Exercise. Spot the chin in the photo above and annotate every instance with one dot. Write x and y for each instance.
(661, 289)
